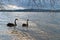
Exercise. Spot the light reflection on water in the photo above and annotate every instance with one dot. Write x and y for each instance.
(45, 25)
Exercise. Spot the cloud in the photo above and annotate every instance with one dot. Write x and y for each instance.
(13, 7)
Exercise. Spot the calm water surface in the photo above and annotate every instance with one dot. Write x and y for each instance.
(42, 25)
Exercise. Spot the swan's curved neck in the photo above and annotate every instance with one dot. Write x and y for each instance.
(15, 22)
(27, 23)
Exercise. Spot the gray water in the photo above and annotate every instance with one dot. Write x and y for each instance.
(42, 25)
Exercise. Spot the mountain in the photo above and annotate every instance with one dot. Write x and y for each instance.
(30, 4)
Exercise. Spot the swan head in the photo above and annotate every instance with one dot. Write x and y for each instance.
(16, 19)
(27, 19)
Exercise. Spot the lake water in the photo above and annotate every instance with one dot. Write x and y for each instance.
(42, 25)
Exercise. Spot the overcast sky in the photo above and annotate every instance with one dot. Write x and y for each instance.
(22, 4)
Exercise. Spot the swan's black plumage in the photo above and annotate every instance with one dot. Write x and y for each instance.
(25, 24)
(12, 24)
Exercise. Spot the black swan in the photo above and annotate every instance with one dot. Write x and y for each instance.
(11, 24)
(25, 24)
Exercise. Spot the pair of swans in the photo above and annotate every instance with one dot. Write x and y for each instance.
(14, 25)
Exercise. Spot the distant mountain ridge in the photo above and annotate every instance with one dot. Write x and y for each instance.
(30, 10)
